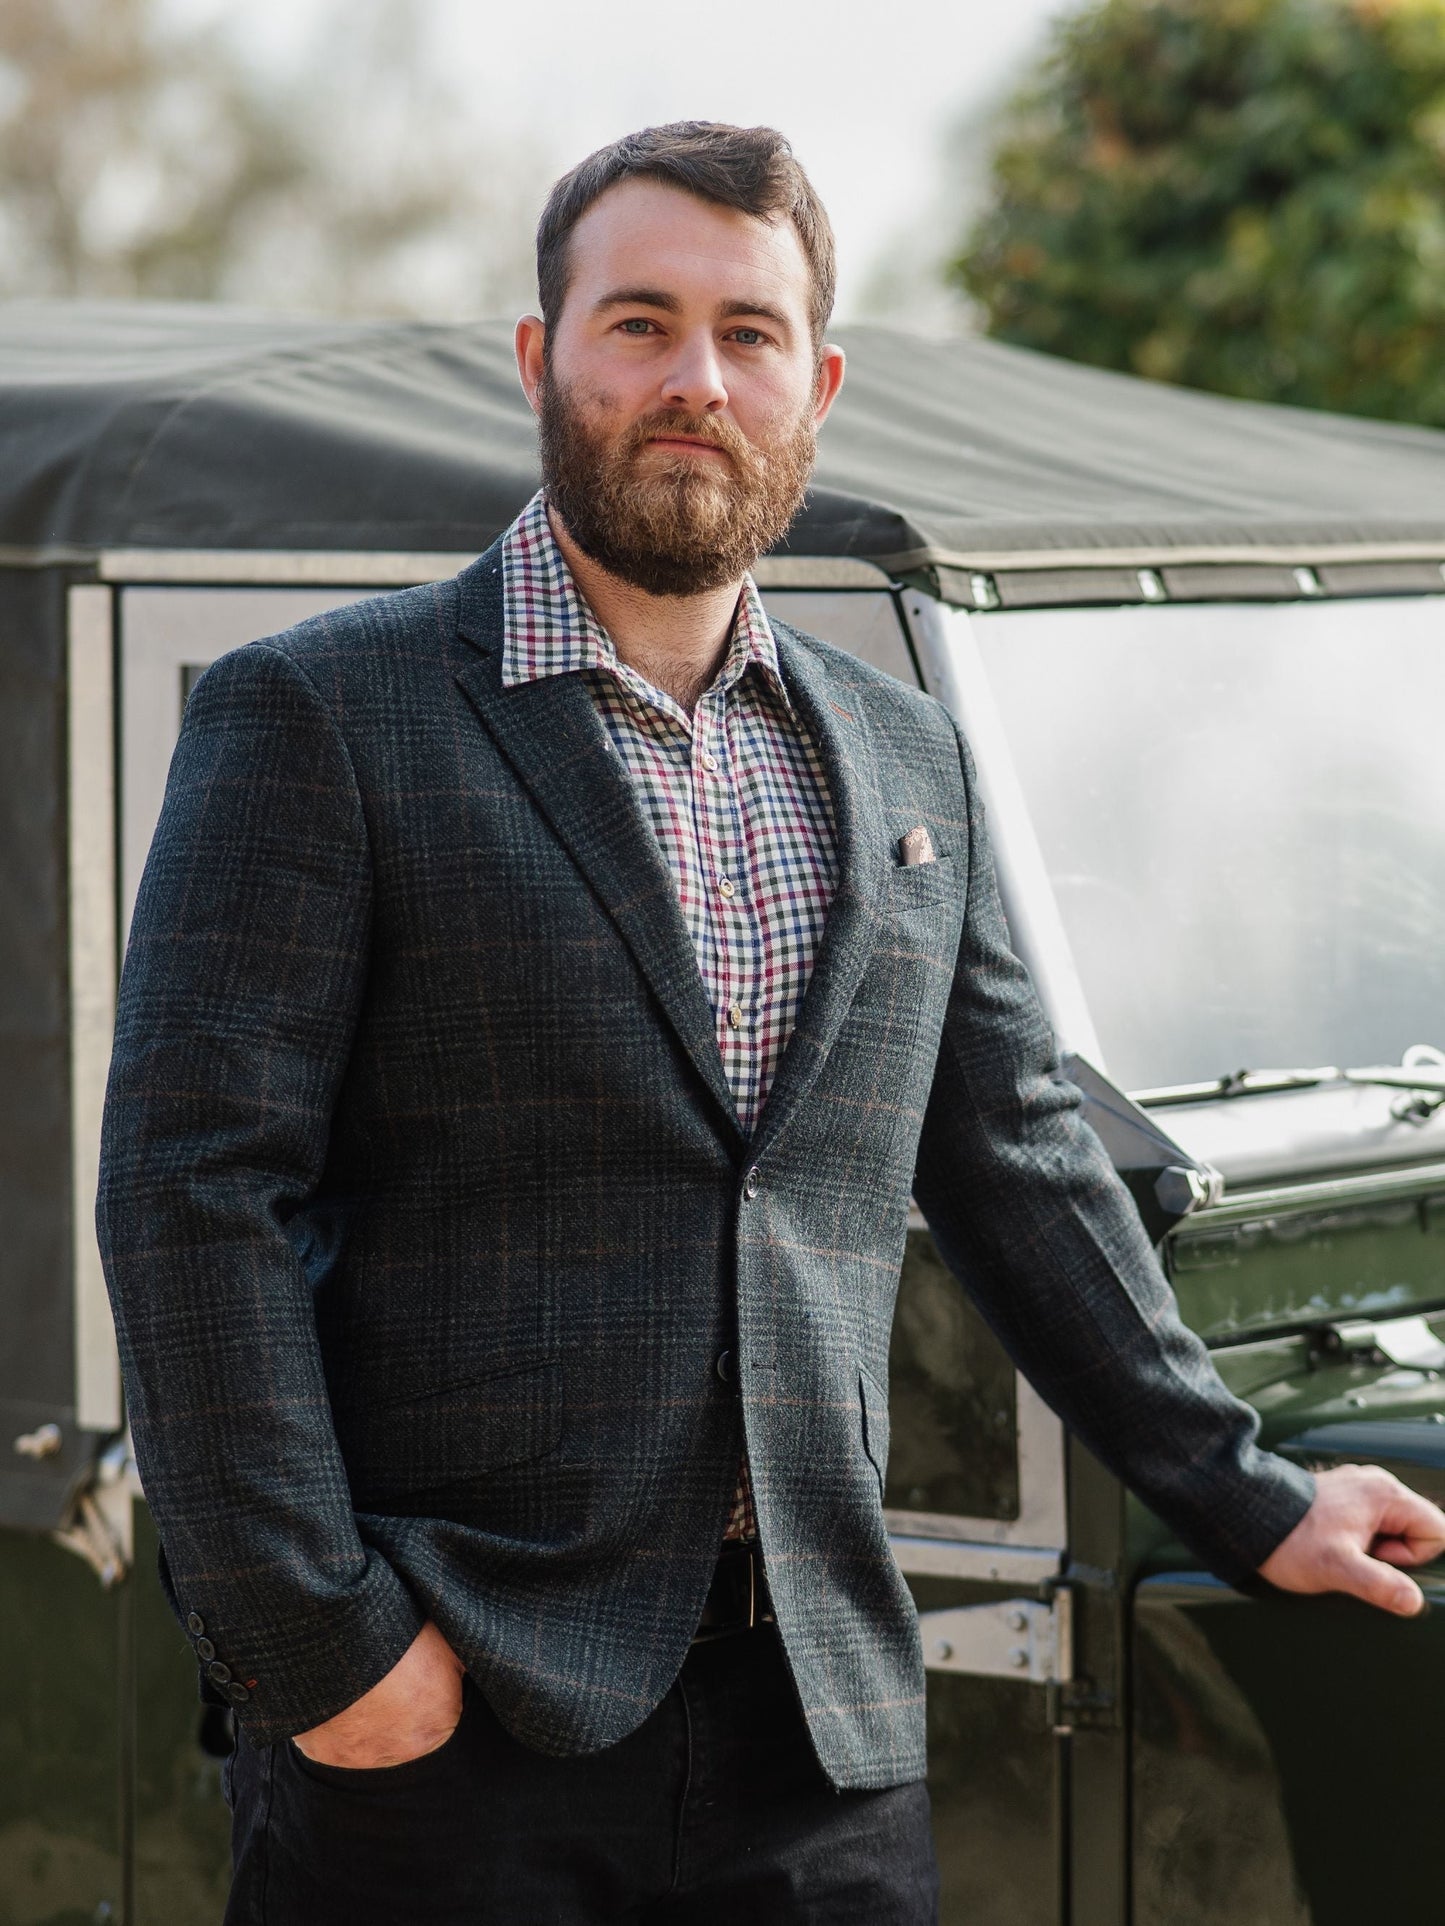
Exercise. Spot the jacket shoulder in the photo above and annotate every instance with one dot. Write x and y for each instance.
(897, 709)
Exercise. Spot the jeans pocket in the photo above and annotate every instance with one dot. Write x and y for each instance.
(426, 1766)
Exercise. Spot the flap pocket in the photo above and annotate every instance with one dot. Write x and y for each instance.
(874, 1401)
(911, 885)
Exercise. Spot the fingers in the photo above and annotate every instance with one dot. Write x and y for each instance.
(1378, 1583)
(1394, 1551)
(1405, 1516)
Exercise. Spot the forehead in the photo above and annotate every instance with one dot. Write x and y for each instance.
(646, 233)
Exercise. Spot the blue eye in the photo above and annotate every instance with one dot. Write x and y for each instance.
(753, 335)
(636, 325)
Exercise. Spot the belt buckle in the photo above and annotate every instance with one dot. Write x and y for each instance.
(744, 1622)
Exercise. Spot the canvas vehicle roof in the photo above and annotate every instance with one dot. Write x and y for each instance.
(197, 427)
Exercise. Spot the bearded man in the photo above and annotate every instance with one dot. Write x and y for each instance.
(545, 990)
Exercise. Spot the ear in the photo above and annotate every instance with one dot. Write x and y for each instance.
(530, 336)
(830, 380)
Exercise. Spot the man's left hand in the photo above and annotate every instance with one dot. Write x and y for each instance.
(1362, 1526)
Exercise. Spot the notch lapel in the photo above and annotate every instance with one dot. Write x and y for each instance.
(550, 732)
(833, 716)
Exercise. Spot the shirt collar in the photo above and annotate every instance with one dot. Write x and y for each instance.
(548, 628)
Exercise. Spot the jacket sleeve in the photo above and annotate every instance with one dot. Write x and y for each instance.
(238, 1001)
(1026, 1208)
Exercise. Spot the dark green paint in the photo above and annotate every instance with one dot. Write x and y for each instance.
(952, 1402)
(1285, 1768)
(1380, 1259)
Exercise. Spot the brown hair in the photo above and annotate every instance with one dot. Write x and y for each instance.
(749, 168)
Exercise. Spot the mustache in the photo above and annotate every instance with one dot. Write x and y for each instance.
(715, 430)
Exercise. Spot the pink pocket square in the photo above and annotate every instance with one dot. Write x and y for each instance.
(916, 847)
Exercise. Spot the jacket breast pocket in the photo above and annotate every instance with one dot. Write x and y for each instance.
(873, 1400)
(435, 1440)
(915, 885)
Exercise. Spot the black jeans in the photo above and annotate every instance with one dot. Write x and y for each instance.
(713, 1812)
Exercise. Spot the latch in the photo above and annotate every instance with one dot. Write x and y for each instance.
(1405, 1341)
(1019, 1638)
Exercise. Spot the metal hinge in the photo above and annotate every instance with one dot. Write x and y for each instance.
(1019, 1638)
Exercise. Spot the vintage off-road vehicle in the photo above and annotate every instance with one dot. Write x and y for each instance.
(1199, 648)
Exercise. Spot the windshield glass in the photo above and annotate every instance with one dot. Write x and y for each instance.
(1242, 808)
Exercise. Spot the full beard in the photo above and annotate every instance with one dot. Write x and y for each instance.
(671, 525)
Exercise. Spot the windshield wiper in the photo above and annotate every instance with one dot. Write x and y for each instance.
(1422, 1071)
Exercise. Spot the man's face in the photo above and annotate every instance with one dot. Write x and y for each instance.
(680, 393)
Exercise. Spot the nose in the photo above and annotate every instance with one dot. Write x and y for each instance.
(693, 380)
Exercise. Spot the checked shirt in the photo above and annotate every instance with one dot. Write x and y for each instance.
(735, 794)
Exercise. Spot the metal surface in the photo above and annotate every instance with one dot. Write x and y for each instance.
(866, 622)
(1291, 1135)
(90, 747)
(1245, 1206)
(1284, 1759)
(1260, 1265)
(376, 568)
(987, 1564)
(1014, 1638)
(976, 1457)
(280, 567)
(165, 632)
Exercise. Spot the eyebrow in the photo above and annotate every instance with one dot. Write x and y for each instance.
(669, 304)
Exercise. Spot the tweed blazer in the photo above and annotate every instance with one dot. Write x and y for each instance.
(427, 1215)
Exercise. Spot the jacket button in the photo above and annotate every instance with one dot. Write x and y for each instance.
(725, 1368)
(218, 1673)
(237, 1693)
(205, 1649)
(195, 1625)
(752, 1183)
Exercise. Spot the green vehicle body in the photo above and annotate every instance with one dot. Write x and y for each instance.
(1116, 1738)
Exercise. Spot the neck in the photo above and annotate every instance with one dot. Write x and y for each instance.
(676, 641)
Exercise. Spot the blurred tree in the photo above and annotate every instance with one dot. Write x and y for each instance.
(142, 157)
(1241, 195)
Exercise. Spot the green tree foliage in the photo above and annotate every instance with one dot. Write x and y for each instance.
(1240, 195)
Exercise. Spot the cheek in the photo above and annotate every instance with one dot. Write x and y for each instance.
(770, 401)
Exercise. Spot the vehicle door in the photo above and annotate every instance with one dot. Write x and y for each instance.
(1221, 800)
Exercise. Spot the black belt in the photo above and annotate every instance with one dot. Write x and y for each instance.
(737, 1598)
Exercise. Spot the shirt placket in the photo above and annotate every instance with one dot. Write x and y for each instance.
(723, 847)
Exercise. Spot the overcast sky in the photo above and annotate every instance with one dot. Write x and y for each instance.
(866, 93)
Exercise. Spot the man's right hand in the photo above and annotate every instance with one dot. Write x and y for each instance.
(413, 1710)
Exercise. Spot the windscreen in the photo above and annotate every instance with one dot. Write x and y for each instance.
(1242, 808)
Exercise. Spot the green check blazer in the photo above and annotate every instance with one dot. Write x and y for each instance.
(426, 1212)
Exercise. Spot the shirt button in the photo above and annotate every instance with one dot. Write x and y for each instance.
(237, 1693)
(218, 1673)
(205, 1649)
(724, 1367)
(735, 1016)
(710, 764)
(195, 1624)
(725, 888)
(752, 1183)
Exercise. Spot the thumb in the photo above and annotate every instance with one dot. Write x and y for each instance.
(1379, 1584)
